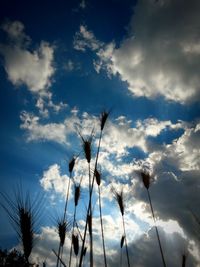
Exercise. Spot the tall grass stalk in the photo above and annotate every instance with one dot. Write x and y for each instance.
(62, 262)
(87, 151)
(62, 230)
(70, 169)
(76, 199)
(23, 214)
(103, 119)
(75, 242)
(90, 212)
(121, 246)
(119, 196)
(146, 178)
(98, 180)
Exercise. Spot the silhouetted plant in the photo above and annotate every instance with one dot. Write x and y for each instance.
(70, 168)
(87, 151)
(121, 246)
(146, 178)
(75, 242)
(12, 258)
(76, 199)
(23, 214)
(119, 196)
(103, 119)
(98, 181)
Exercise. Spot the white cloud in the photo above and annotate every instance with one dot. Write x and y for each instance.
(44, 103)
(159, 56)
(57, 132)
(31, 68)
(86, 39)
(176, 171)
(120, 136)
(53, 180)
(154, 62)
(183, 154)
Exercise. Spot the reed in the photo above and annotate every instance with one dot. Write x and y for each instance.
(146, 179)
(76, 199)
(75, 242)
(103, 119)
(121, 246)
(119, 196)
(23, 214)
(98, 181)
(70, 169)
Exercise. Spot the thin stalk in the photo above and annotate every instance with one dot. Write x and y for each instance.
(59, 258)
(60, 249)
(90, 211)
(67, 196)
(58, 255)
(127, 254)
(61, 253)
(157, 233)
(102, 232)
(90, 201)
(121, 258)
(70, 257)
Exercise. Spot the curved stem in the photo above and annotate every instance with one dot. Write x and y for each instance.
(157, 233)
(102, 232)
(127, 254)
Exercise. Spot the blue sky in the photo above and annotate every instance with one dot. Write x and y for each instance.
(61, 65)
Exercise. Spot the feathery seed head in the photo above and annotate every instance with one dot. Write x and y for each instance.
(75, 243)
(146, 178)
(98, 177)
(103, 118)
(26, 230)
(122, 241)
(119, 196)
(87, 148)
(62, 229)
(89, 221)
(23, 214)
(84, 251)
(77, 194)
(71, 164)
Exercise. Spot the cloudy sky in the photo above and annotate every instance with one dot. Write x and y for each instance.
(61, 64)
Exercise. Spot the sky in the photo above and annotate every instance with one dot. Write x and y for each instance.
(64, 62)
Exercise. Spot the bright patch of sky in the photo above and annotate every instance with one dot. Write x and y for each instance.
(63, 63)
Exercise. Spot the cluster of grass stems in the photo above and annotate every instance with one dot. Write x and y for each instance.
(23, 214)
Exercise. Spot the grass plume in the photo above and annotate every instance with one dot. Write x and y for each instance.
(77, 189)
(24, 215)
